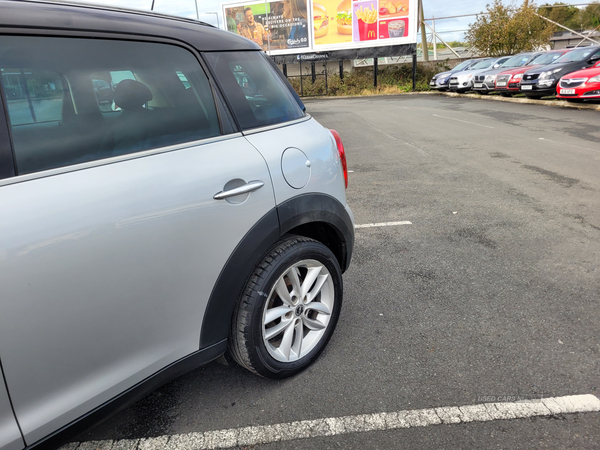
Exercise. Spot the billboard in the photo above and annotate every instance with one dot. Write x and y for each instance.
(302, 26)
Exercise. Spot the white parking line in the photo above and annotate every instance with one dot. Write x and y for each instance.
(568, 145)
(352, 424)
(463, 121)
(382, 224)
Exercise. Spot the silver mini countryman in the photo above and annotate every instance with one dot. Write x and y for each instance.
(164, 199)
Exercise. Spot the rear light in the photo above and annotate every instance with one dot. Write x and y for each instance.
(342, 152)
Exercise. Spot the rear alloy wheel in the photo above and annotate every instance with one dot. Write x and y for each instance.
(289, 309)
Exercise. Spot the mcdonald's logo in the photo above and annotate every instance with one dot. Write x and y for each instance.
(371, 34)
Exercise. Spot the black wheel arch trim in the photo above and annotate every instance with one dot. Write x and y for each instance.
(311, 215)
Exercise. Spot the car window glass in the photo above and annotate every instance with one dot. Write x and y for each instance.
(463, 65)
(77, 100)
(575, 55)
(482, 65)
(256, 93)
(33, 96)
(545, 58)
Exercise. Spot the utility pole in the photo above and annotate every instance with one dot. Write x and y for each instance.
(423, 32)
(433, 38)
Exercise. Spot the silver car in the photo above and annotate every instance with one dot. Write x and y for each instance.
(165, 198)
(463, 81)
(440, 80)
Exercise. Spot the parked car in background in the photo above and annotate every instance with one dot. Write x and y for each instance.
(580, 85)
(463, 81)
(542, 81)
(206, 213)
(507, 82)
(485, 82)
(440, 80)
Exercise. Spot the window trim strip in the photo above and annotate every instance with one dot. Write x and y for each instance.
(115, 159)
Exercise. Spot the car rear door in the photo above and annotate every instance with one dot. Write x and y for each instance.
(109, 250)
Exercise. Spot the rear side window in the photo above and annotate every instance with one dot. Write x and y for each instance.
(255, 91)
(73, 100)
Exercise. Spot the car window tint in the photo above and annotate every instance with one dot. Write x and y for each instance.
(254, 90)
(77, 100)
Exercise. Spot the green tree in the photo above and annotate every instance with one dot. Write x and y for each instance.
(590, 16)
(566, 15)
(506, 31)
(571, 16)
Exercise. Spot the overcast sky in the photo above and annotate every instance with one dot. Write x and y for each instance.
(449, 29)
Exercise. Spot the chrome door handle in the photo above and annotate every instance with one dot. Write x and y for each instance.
(248, 187)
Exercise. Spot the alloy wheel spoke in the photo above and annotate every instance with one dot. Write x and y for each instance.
(298, 338)
(286, 343)
(317, 288)
(311, 276)
(313, 324)
(275, 313)
(292, 274)
(321, 308)
(282, 291)
(270, 333)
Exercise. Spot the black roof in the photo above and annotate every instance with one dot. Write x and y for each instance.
(100, 19)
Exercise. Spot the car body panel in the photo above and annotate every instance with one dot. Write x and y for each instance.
(320, 162)
(132, 235)
(10, 435)
(579, 83)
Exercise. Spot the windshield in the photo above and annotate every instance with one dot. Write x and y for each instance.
(578, 54)
(516, 61)
(463, 65)
(546, 58)
(481, 65)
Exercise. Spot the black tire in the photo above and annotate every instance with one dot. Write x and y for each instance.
(249, 343)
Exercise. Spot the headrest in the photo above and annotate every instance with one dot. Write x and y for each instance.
(131, 94)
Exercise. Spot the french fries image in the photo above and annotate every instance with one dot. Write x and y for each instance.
(368, 15)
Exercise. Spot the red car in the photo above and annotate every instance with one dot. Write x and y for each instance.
(580, 85)
(507, 82)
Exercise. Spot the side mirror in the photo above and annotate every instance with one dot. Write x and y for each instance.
(594, 59)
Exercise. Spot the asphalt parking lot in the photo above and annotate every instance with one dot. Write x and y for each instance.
(490, 291)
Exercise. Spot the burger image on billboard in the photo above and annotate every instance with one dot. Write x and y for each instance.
(320, 20)
(343, 17)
